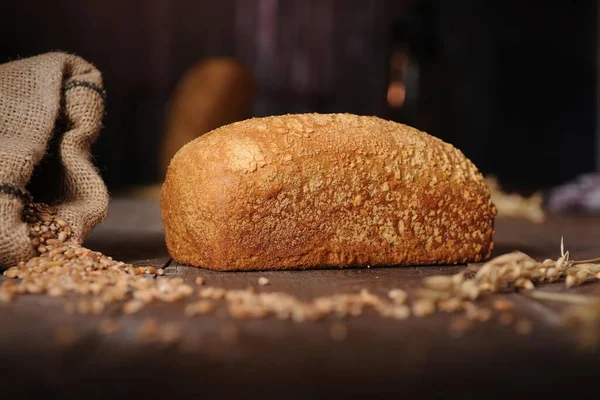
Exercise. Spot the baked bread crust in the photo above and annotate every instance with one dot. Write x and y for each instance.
(324, 190)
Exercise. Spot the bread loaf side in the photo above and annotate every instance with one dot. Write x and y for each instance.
(324, 190)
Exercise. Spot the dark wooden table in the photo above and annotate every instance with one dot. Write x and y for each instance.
(272, 358)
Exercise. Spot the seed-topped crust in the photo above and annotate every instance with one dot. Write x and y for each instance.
(324, 190)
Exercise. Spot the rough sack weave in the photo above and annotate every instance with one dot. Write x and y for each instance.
(51, 109)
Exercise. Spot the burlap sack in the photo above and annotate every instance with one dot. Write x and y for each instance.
(51, 109)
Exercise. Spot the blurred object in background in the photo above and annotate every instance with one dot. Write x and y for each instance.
(213, 93)
(583, 194)
(209, 95)
(316, 55)
(411, 51)
(403, 89)
(515, 205)
(511, 84)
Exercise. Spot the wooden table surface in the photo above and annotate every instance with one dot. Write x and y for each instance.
(272, 358)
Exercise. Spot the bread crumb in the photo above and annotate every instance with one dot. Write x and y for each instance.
(262, 281)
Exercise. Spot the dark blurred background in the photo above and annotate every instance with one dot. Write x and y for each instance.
(511, 83)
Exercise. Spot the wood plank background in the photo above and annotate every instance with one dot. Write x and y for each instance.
(503, 81)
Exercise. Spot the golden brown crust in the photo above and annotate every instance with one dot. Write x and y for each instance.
(324, 190)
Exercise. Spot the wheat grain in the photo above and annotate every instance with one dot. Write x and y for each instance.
(423, 307)
(399, 296)
(262, 281)
(62, 268)
(503, 305)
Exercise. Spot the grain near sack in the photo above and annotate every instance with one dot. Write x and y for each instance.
(51, 109)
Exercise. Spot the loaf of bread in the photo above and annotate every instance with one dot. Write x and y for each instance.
(210, 94)
(324, 190)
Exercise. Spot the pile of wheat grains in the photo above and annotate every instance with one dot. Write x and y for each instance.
(62, 268)
(95, 281)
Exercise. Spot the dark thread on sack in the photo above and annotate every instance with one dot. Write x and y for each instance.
(87, 85)
(16, 191)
